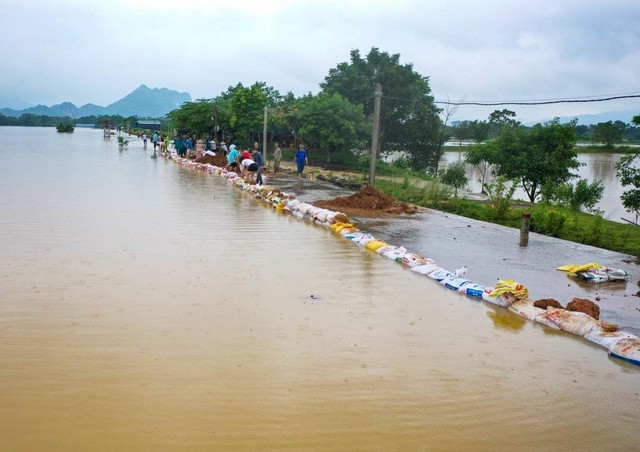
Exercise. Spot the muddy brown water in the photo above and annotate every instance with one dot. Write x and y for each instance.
(145, 306)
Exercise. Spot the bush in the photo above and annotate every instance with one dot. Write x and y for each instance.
(547, 221)
(500, 195)
(592, 235)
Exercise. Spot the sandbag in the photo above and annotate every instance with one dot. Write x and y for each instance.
(373, 245)
(347, 230)
(627, 349)
(503, 299)
(354, 236)
(606, 339)
(425, 269)
(396, 254)
(472, 290)
(526, 310)
(597, 276)
(454, 282)
(363, 239)
(572, 322)
(518, 291)
(414, 260)
(440, 273)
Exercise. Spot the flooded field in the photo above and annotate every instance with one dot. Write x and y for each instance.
(144, 306)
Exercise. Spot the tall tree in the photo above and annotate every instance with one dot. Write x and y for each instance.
(246, 111)
(610, 132)
(543, 154)
(629, 174)
(409, 118)
(498, 119)
(333, 122)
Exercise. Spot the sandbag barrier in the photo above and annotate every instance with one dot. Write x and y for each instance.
(506, 293)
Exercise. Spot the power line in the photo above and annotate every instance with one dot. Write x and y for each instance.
(546, 102)
(539, 102)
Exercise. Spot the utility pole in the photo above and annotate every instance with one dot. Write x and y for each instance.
(375, 134)
(264, 136)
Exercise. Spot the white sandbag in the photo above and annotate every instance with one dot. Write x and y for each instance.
(396, 254)
(292, 204)
(472, 290)
(354, 236)
(414, 260)
(627, 349)
(440, 273)
(386, 248)
(607, 339)
(454, 282)
(364, 239)
(572, 322)
(526, 310)
(505, 300)
(424, 269)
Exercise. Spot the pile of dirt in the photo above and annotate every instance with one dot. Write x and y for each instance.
(217, 160)
(367, 202)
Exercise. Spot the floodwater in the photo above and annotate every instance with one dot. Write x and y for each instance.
(595, 167)
(144, 306)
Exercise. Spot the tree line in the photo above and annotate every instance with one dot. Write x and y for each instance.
(112, 121)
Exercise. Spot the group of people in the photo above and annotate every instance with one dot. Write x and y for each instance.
(158, 140)
(249, 163)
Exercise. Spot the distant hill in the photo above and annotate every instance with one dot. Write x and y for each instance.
(143, 102)
(585, 120)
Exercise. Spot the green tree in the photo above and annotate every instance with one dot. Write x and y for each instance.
(333, 122)
(246, 109)
(481, 155)
(629, 173)
(609, 132)
(195, 117)
(409, 118)
(544, 154)
(456, 176)
(498, 119)
(581, 196)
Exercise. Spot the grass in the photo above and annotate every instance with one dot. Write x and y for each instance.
(553, 221)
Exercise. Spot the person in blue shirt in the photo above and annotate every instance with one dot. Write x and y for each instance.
(232, 164)
(301, 159)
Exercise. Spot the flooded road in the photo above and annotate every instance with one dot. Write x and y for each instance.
(145, 306)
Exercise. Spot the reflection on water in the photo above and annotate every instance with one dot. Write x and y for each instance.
(148, 307)
(504, 319)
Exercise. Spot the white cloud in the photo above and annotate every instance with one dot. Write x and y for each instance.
(485, 50)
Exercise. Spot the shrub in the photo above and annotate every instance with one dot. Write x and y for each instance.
(547, 221)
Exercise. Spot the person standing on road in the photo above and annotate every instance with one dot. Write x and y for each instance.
(257, 157)
(301, 159)
(154, 138)
(277, 156)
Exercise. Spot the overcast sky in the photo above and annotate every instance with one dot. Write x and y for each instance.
(87, 51)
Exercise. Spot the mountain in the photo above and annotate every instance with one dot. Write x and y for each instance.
(143, 102)
(147, 102)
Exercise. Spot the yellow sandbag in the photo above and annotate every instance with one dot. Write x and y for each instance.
(339, 226)
(507, 286)
(577, 268)
(375, 244)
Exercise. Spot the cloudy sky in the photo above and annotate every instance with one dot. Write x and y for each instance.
(478, 50)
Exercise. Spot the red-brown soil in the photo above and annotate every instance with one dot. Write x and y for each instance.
(367, 202)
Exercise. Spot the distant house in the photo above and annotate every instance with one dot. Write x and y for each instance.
(85, 125)
(148, 124)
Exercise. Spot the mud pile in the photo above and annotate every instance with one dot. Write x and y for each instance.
(217, 160)
(367, 202)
